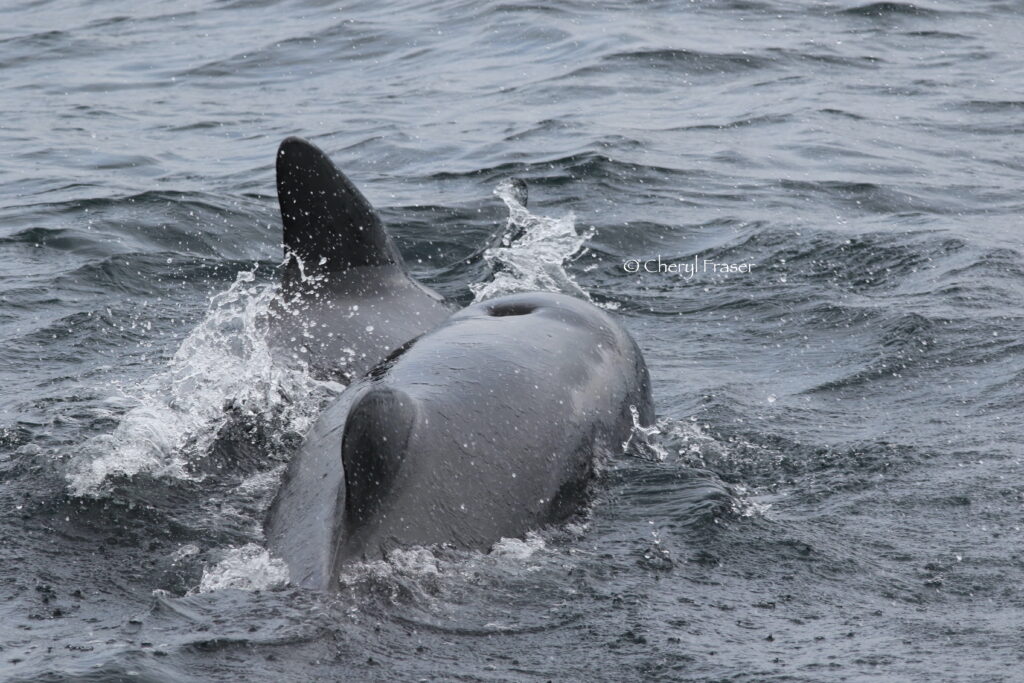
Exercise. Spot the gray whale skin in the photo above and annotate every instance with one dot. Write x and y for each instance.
(486, 427)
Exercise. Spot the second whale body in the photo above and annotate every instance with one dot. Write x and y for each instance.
(486, 427)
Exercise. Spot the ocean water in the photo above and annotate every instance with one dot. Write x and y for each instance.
(834, 489)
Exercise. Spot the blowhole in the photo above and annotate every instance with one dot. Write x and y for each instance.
(512, 308)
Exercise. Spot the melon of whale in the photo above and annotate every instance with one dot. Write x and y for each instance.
(346, 299)
(484, 428)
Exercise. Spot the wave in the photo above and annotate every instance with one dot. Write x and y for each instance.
(903, 343)
(890, 9)
(194, 224)
(352, 40)
(690, 61)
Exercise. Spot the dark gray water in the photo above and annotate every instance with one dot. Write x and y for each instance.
(836, 491)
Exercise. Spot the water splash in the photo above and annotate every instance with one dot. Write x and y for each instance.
(641, 442)
(420, 574)
(177, 413)
(692, 446)
(533, 252)
(744, 503)
(689, 443)
(517, 548)
(248, 567)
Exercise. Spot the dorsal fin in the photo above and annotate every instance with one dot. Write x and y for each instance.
(376, 434)
(328, 223)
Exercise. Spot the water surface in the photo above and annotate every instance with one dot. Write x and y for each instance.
(835, 488)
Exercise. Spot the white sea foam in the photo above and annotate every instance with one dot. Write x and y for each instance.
(744, 504)
(695, 447)
(421, 571)
(248, 567)
(178, 411)
(519, 549)
(535, 259)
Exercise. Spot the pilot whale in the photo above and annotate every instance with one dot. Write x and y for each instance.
(486, 427)
(346, 299)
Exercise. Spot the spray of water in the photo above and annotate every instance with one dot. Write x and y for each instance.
(533, 253)
(686, 443)
(642, 442)
(248, 567)
(177, 412)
